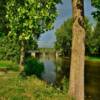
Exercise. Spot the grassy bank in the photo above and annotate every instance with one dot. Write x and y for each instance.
(92, 61)
(9, 65)
(88, 58)
(14, 87)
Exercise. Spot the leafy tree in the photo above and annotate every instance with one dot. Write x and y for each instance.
(10, 48)
(96, 4)
(29, 18)
(96, 38)
(64, 37)
(96, 15)
(89, 46)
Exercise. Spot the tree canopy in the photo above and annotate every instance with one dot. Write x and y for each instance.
(30, 17)
(3, 20)
(96, 13)
(64, 38)
(27, 19)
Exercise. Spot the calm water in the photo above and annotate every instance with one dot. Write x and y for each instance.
(57, 68)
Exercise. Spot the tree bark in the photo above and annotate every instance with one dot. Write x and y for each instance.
(22, 56)
(76, 85)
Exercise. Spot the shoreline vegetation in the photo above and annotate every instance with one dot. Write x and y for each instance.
(14, 87)
(14, 66)
(89, 58)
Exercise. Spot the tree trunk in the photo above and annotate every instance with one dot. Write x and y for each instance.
(22, 56)
(76, 86)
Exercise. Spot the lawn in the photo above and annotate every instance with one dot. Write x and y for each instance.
(15, 87)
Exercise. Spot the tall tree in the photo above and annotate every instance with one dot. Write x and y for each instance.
(64, 38)
(28, 19)
(76, 86)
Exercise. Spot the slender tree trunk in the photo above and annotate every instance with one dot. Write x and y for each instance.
(76, 86)
(22, 56)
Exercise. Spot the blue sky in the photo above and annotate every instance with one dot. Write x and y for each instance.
(65, 11)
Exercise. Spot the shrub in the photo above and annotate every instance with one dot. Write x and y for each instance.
(33, 66)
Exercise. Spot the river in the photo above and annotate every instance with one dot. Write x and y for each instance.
(56, 68)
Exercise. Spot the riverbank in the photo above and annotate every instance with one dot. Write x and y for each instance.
(88, 58)
(14, 87)
(93, 61)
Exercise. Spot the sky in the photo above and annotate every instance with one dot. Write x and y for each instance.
(65, 11)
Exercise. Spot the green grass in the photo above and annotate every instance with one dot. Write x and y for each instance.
(97, 59)
(14, 87)
(9, 65)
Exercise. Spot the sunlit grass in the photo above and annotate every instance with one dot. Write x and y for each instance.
(88, 58)
(14, 87)
(10, 65)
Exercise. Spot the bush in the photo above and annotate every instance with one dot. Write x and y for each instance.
(33, 66)
(9, 65)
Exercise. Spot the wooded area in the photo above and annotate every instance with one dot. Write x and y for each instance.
(21, 24)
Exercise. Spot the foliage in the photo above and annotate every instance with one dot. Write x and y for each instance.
(31, 44)
(93, 42)
(15, 88)
(9, 65)
(30, 18)
(64, 37)
(97, 34)
(9, 49)
(90, 43)
(96, 13)
(33, 66)
(3, 20)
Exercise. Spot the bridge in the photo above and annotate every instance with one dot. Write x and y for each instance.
(37, 53)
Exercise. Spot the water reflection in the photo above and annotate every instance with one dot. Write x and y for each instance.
(58, 68)
(49, 73)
